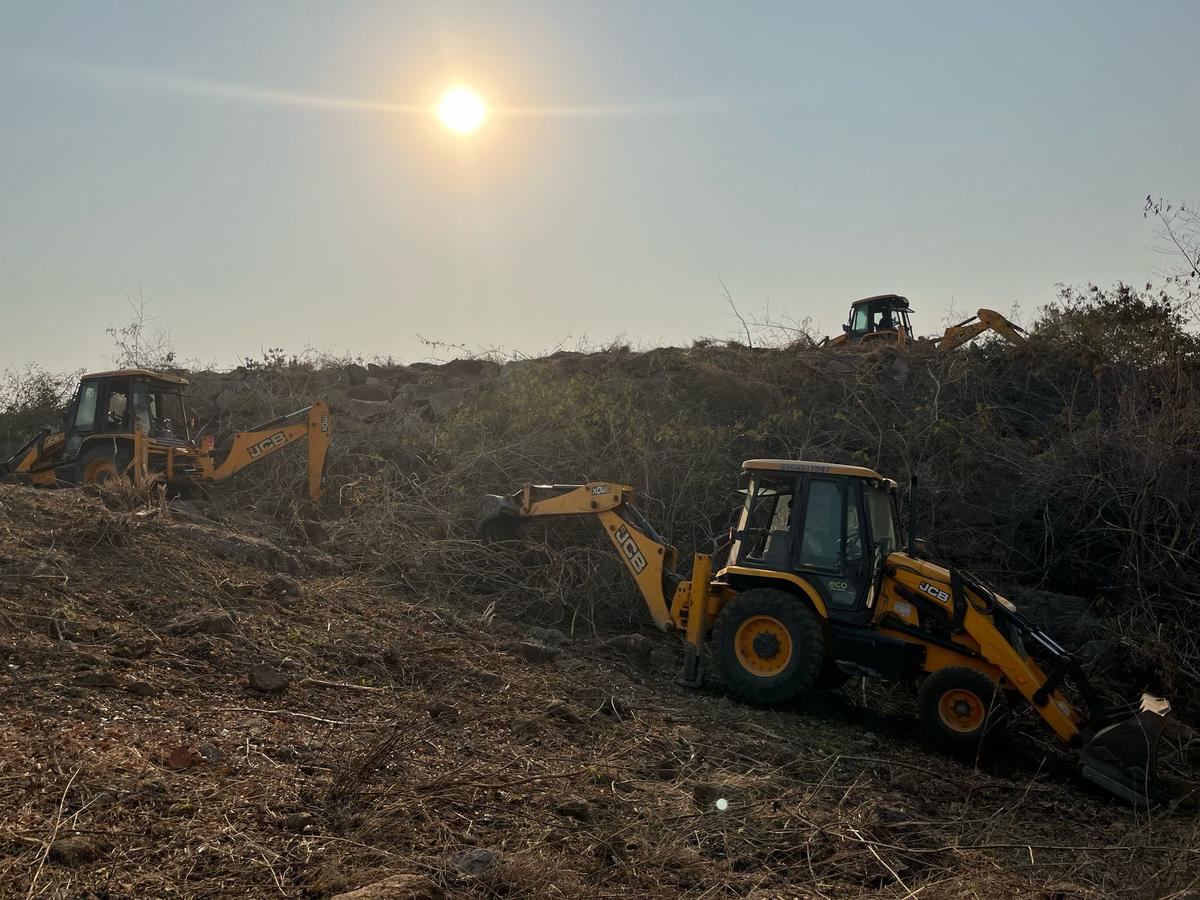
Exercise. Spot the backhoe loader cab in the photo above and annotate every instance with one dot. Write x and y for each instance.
(824, 520)
(881, 318)
(816, 588)
(135, 423)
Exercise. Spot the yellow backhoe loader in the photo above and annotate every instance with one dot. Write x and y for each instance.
(816, 588)
(134, 423)
(881, 320)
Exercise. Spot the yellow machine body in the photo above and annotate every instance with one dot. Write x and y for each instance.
(134, 423)
(857, 604)
(884, 320)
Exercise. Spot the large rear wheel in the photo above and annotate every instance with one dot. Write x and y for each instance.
(770, 645)
(99, 464)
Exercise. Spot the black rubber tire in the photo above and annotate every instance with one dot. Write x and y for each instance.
(803, 628)
(962, 743)
(119, 455)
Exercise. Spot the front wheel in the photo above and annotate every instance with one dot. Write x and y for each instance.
(962, 710)
(770, 645)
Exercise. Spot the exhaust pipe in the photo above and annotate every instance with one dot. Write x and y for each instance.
(1120, 753)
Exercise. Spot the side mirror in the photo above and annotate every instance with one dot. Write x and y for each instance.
(846, 328)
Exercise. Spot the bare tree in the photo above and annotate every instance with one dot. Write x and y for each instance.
(137, 347)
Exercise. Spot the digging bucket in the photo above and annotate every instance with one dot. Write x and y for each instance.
(1121, 753)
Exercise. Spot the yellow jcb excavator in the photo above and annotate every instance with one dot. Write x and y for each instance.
(816, 588)
(134, 423)
(876, 321)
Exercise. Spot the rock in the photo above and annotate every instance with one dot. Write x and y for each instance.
(267, 680)
(617, 707)
(180, 758)
(212, 754)
(210, 622)
(576, 808)
(429, 399)
(397, 887)
(560, 710)
(314, 532)
(357, 374)
(77, 850)
(365, 409)
(536, 654)
(369, 392)
(141, 689)
(95, 679)
(551, 637)
(302, 822)
(134, 647)
(475, 861)
(441, 711)
(637, 648)
(284, 585)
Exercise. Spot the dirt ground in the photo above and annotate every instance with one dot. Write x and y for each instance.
(187, 709)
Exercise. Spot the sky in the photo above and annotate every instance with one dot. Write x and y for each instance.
(270, 174)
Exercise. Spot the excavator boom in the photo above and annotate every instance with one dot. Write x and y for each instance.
(983, 320)
(648, 557)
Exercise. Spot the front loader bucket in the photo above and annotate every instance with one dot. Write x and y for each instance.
(1120, 756)
(497, 520)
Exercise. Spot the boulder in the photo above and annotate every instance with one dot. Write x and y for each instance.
(266, 680)
(369, 392)
(210, 622)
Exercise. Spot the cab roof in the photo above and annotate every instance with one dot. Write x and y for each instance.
(816, 468)
(143, 373)
(900, 301)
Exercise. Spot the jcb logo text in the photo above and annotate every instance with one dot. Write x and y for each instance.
(637, 561)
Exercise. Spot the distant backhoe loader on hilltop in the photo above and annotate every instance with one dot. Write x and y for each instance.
(134, 423)
(878, 321)
(816, 589)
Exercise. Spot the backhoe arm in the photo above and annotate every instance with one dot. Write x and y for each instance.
(983, 320)
(648, 557)
(263, 440)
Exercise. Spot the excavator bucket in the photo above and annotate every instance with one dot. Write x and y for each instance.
(498, 518)
(1121, 755)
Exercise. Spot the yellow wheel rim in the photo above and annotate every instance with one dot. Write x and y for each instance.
(763, 646)
(961, 710)
(99, 470)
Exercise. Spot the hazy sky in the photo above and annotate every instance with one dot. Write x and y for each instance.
(805, 154)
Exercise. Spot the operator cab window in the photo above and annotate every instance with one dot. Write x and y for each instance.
(766, 533)
(821, 545)
(884, 319)
(116, 407)
(166, 419)
(85, 408)
(860, 322)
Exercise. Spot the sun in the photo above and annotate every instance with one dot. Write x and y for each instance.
(462, 110)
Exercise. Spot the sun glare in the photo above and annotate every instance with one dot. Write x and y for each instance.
(462, 110)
